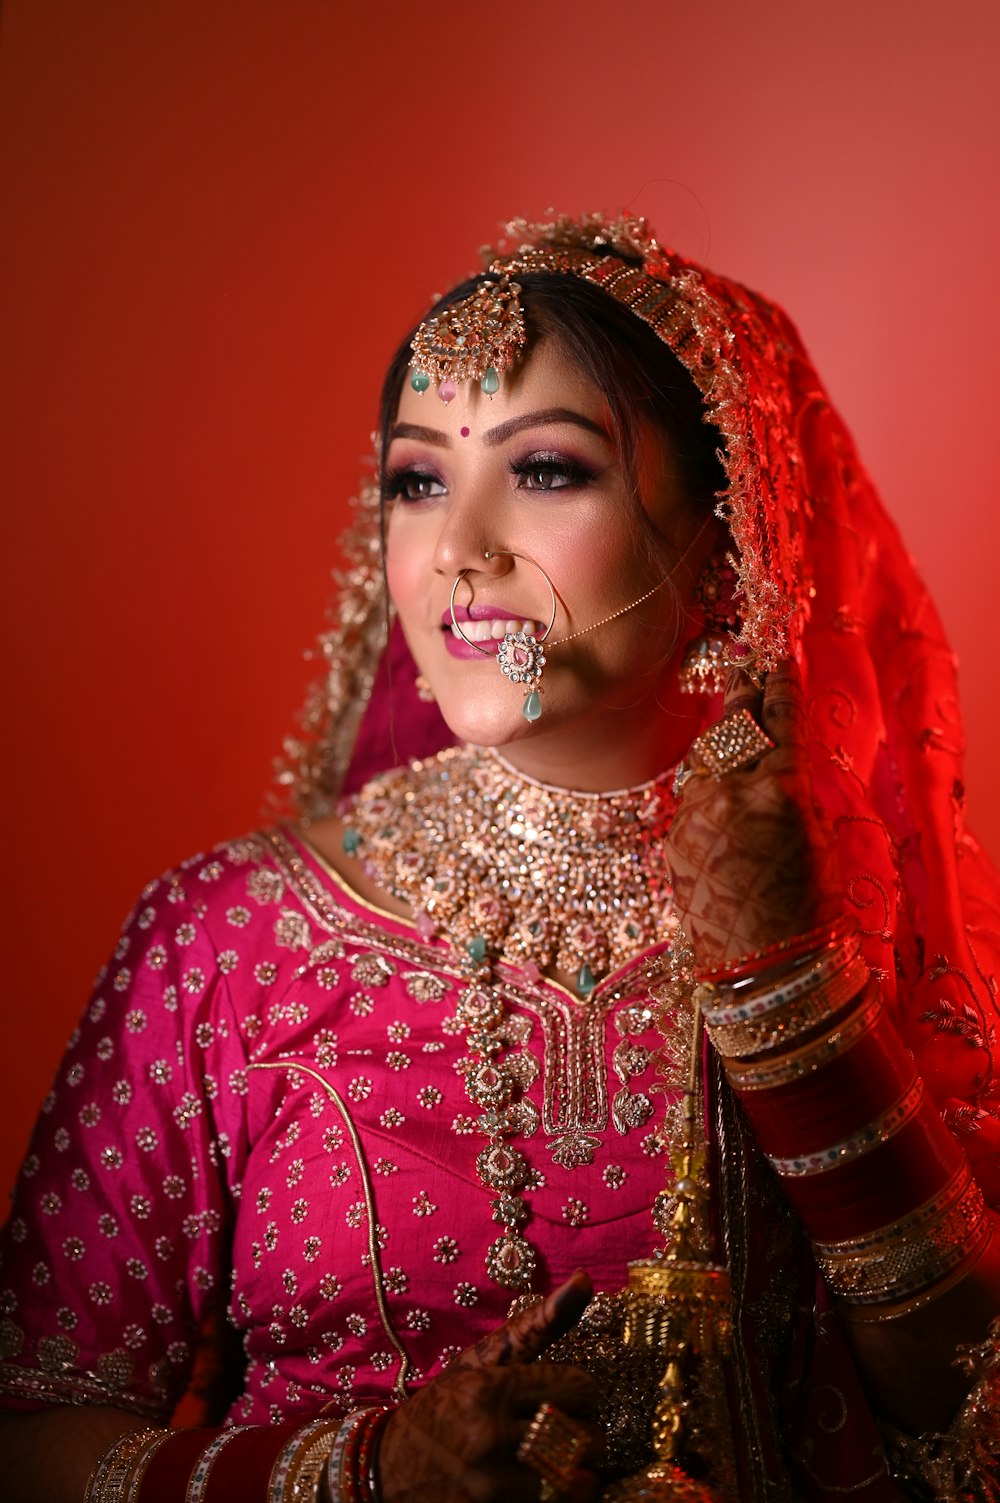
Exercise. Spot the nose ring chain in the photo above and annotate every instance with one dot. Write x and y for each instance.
(520, 656)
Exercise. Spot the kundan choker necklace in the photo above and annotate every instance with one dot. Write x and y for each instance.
(514, 869)
(523, 872)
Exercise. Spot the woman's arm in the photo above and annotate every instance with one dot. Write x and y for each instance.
(455, 1438)
(753, 867)
(50, 1456)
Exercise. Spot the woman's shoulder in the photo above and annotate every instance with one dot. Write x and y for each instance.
(284, 890)
(230, 883)
(224, 934)
(243, 906)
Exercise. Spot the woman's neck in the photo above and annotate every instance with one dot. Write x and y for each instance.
(612, 752)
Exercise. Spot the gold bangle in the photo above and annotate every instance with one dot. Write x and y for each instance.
(142, 1464)
(299, 1466)
(110, 1478)
(763, 1075)
(794, 1017)
(739, 1001)
(920, 1249)
(309, 1467)
(872, 1315)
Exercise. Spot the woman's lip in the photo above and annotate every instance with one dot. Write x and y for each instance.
(480, 645)
(482, 613)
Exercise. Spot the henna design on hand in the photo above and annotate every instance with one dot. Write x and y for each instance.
(456, 1439)
(751, 859)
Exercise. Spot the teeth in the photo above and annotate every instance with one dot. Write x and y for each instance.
(493, 631)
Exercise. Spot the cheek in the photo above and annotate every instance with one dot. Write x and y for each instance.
(602, 571)
(402, 567)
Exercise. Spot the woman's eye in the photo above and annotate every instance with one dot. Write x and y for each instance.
(411, 485)
(549, 474)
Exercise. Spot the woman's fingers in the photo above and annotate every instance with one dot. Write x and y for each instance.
(529, 1333)
(777, 705)
(571, 1389)
(741, 694)
(782, 710)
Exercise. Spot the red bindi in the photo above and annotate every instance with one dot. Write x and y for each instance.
(464, 432)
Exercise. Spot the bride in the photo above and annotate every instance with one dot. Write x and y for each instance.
(652, 743)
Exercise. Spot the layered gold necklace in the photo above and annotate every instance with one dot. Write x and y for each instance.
(506, 868)
(538, 876)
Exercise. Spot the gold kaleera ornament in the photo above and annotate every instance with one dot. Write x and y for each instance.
(679, 1305)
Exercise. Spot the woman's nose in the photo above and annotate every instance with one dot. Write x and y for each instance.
(468, 540)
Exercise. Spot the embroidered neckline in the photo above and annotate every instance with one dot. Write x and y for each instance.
(500, 865)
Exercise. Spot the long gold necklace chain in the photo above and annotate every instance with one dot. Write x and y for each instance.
(507, 868)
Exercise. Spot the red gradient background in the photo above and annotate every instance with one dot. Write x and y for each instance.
(218, 217)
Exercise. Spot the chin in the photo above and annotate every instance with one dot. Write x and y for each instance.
(492, 719)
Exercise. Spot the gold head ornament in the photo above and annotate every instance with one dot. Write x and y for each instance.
(479, 337)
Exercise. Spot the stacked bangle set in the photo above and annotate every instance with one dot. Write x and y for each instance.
(326, 1459)
(835, 1102)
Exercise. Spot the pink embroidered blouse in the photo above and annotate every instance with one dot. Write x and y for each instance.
(262, 1105)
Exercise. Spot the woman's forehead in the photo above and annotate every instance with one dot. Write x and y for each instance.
(544, 379)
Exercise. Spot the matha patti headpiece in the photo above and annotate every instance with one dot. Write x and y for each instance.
(480, 337)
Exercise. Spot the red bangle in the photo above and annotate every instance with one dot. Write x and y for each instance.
(881, 1186)
(243, 1468)
(349, 1467)
(781, 954)
(368, 1449)
(913, 1256)
(843, 1093)
(166, 1477)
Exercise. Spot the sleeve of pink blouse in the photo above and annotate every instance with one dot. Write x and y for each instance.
(116, 1246)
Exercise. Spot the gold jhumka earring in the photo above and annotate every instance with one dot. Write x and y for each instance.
(709, 657)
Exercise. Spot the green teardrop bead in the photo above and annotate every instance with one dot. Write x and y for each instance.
(532, 708)
(490, 382)
(351, 841)
(585, 982)
(477, 947)
(420, 381)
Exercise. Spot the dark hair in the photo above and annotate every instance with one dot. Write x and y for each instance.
(638, 375)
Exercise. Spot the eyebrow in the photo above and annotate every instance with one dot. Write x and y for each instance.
(503, 431)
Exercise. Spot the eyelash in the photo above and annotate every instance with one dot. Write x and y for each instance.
(555, 466)
(570, 471)
(394, 483)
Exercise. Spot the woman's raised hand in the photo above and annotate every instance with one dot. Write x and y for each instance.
(456, 1440)
(750, 855)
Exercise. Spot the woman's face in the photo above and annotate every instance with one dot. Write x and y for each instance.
(534, 471)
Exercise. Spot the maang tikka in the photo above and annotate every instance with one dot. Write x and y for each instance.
(476, 339)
